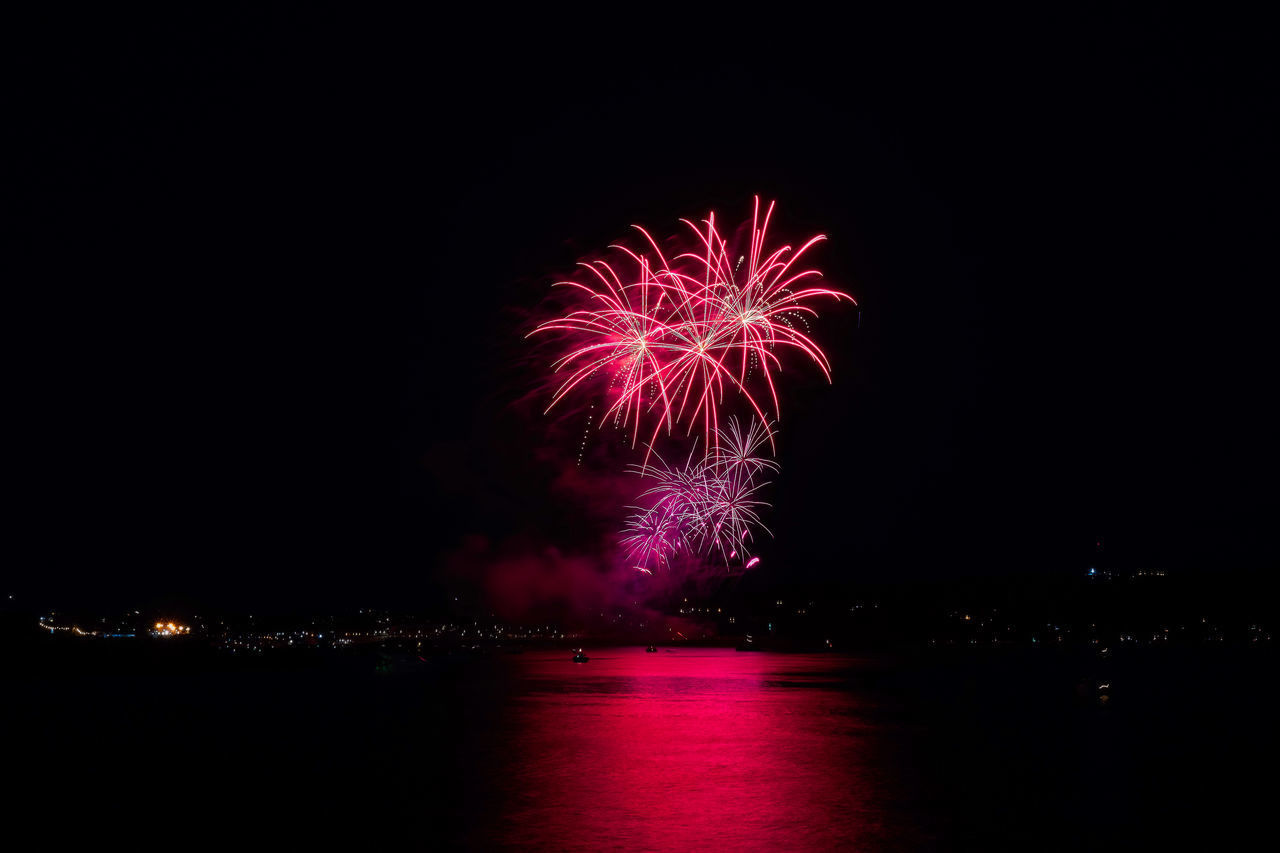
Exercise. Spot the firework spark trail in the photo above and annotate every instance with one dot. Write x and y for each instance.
(706, 505)
(674, 334)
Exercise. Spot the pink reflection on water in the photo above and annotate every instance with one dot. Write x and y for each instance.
(692, 749)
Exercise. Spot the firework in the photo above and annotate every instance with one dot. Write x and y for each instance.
(669, 336)
(708, 505)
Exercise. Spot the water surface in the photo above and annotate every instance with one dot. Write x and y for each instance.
(702, 749)
(683, 749)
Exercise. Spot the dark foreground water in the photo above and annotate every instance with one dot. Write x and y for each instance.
(678, 750)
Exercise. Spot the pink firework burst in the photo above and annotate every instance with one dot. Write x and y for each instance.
(672, 335)
(706, 506)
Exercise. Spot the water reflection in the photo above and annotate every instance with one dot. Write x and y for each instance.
(696, 749)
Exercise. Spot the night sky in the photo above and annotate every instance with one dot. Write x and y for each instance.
(270, 352)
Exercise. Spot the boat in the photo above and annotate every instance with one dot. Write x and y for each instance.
(651, 649)
(748, 644)
(579, 656)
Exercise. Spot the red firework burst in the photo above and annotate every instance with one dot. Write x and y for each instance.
(672, 335)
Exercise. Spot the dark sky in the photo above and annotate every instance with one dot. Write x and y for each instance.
(271, 346)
